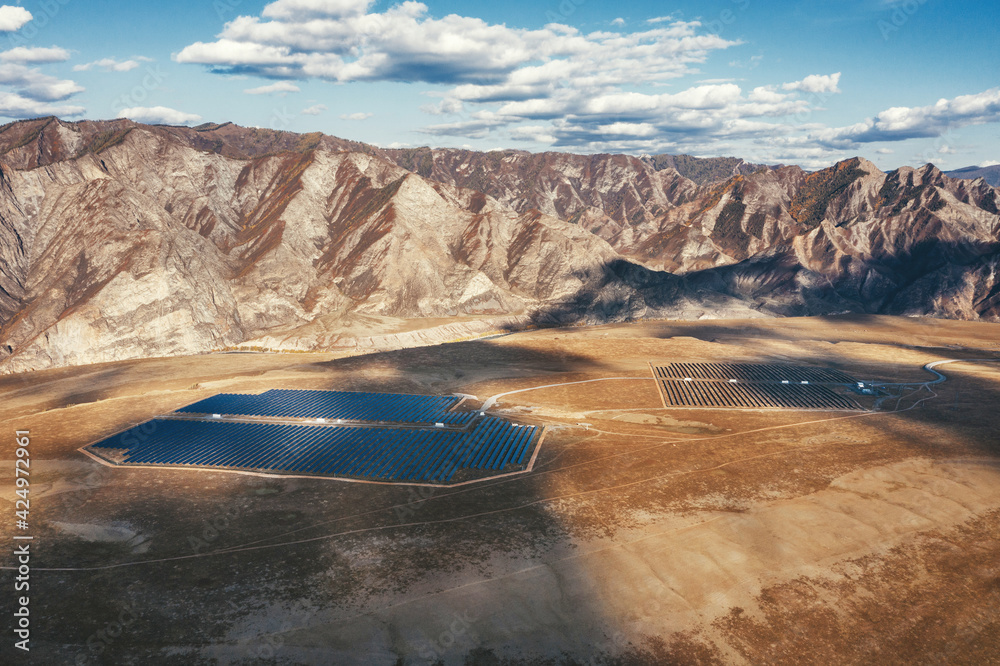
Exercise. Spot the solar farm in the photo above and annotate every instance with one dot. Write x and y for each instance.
(343, 405)
(376, 436)
(752, 386)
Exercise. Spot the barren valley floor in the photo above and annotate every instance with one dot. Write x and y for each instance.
(643, 535)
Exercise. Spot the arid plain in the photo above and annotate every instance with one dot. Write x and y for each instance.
(642, 534)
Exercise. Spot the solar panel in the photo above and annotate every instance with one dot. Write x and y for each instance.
(753, 372)
(346, 405)
(377, 452)
(752, 395)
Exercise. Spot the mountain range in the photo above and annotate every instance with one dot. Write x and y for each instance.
(991, 174)
(122, 240)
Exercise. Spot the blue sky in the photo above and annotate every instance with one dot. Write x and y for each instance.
(797, 81)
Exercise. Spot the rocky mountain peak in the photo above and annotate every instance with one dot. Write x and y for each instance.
(120, 240)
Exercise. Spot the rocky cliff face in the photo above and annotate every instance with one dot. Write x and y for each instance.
(120, 240)
(847, 238)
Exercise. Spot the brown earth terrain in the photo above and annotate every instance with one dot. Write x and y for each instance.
(643, 535)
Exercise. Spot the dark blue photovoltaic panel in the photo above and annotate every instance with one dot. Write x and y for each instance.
(383, 453)
(348, 405)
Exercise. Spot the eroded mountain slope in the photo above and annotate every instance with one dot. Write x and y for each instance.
(120, 240)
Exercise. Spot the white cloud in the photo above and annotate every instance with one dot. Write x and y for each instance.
(314, 110)
(159, 115)
(111, 65)
(444, 107)
(618, 21)
(340, 41)
(901, 122)
(278, 87)
(477, 127)
(13, 18)
(13, 105)
(747, 64)
(356, 116)
(885, 151)
(34, 84)
(988, 163)
(34, 54)
(498, 77)
(816, 83)
(766, 94)
(557, 86)
(27, 91)
(536, 133)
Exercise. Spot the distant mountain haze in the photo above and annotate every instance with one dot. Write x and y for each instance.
(121, 240)
(991, 174)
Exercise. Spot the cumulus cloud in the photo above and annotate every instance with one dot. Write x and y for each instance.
(13, 18)
(159, 115)
(34, 54)
(278, 87)
(618, 21)
(13, 105)
(557, 85)
(314, 110)
(620, 120)
(988, 163)
(340, 40)
(356, 116)
(902, 122)
(111, 65)
(496, 77)
(27, 92)
(34, 84)
(816, 83)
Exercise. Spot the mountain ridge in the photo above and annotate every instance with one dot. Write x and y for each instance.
(120, 240)
(991, 174)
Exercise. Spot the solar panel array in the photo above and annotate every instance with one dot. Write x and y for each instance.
(751, 386)
(383, 453)
(753, 372)
(680, 393)
(346, 405)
